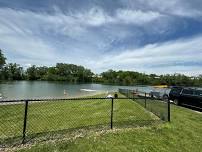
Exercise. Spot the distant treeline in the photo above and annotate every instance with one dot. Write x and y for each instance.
(60, 72)
(136, 78)
(74, 73)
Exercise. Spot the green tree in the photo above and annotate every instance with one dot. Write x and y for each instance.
(2, 59)
(12, 71)
(41, 72)
(31, 73)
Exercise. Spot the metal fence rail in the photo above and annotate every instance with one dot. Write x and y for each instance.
(21, 119)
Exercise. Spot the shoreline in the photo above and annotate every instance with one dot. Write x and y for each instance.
(10, 101)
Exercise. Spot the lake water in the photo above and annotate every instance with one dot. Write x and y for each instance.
(38, 89)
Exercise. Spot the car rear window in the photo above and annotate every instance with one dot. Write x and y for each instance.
(198, 92)
(175, 90)
(188, 91)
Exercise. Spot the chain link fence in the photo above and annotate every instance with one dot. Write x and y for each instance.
(24, 120)
(158, 106)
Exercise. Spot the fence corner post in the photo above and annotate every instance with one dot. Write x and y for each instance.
(168, 110)
(145, 100)
(112, 107)
(128, 93)
(25, 122)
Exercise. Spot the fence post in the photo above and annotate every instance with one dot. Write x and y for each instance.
(25, 122)
(112, 107)
(133, 95)
(145, 100)
(168, 110)
(128, 93)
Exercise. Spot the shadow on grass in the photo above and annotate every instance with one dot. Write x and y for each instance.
(72, 133)
(137, 123)
(10, 142)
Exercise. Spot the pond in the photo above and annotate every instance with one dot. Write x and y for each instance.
(38, 89)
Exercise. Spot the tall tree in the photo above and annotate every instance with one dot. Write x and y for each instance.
(2, 59)
(12, 71)
(32, 73)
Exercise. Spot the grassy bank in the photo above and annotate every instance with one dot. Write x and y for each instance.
(182, 134)
(56, 116)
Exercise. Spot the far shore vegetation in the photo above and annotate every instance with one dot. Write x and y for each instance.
(77, 74)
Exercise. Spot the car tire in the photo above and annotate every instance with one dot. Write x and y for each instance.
(176, 102)
(165, 97)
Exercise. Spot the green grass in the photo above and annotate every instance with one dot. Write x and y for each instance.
(183, 133)
(157, 107)
(51, 117)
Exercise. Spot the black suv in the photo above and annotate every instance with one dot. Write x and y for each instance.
(186, 96)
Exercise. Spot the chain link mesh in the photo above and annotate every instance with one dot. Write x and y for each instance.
(11, 121)
(53, 116)
(158, 107)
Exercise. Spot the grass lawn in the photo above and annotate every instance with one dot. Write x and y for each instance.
(157, 107)
(182, 134)
(50, 117)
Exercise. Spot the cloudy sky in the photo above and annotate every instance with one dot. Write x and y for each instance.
(151, 36)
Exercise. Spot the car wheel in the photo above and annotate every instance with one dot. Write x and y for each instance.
(165, 97)
(176, 102)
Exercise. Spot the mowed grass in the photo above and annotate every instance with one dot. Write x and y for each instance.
(182, 134)
(158, 107)
(46, 117)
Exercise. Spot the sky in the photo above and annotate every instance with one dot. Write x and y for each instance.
(150, 36)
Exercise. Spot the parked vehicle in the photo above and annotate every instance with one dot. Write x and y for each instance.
(186, 96)
(160, 93)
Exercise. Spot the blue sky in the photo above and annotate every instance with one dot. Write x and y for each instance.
(151, 36)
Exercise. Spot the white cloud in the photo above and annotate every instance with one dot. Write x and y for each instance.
(70, 24)
(159, 58)
(22, 31)
(26, 34)
(97, 17)
(27, 46)
(93, 17)
(136, 16)
(183, 8)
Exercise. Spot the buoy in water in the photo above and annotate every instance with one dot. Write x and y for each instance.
(65, 93)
